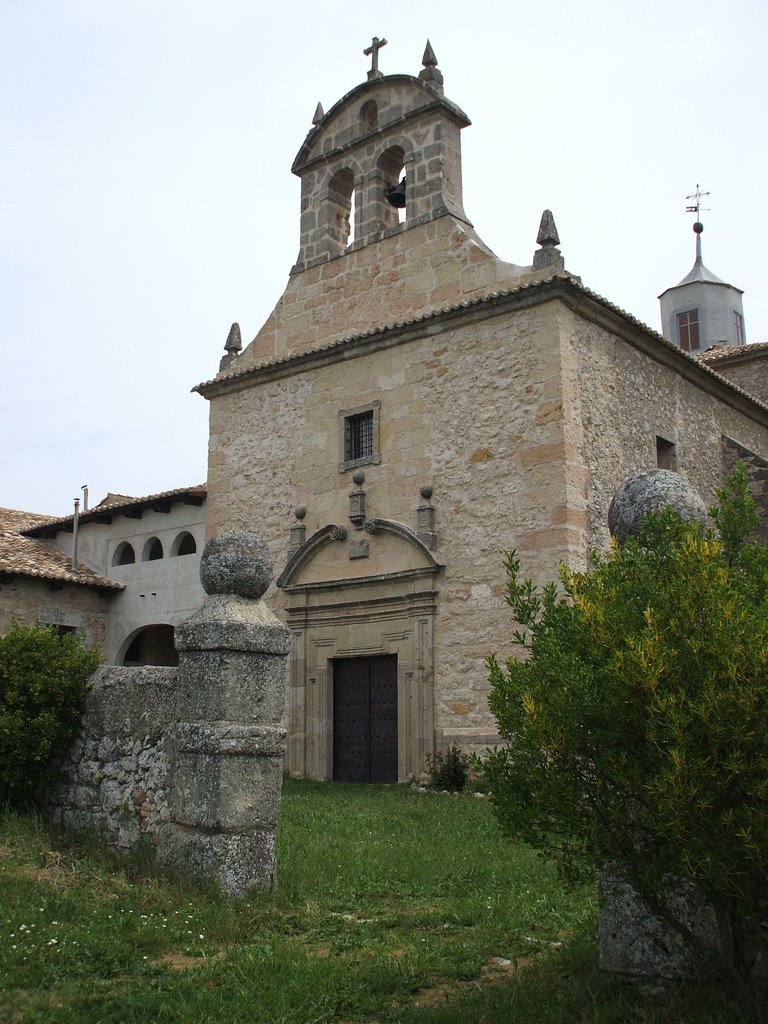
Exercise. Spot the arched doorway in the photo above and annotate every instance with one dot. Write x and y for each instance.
(150, 645)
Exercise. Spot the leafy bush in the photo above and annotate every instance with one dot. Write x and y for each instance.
(43, 683)
(448, 770)
(638, 721)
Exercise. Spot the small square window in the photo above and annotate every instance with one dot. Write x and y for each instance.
(688, 330)
(359, 437)
(666, 453)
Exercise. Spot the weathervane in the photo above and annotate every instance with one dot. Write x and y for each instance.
(697, 196)
(372, 51)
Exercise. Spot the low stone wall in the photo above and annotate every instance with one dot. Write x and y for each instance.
(116, 770)
(191, 758)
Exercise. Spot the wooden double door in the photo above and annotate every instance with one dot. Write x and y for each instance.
(365, 719)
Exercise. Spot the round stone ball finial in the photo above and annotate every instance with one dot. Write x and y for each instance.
(358, 477)
(300, 511)
(652, 491)
(236, 563)
(425, 492)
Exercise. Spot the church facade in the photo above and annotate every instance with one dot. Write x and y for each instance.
(415, 407)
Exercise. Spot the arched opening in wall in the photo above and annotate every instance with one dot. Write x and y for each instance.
(153, 550)
(391, 163)
(369, 116)
(185, 544)
(124, 554)
(151, 645)
(341, 200)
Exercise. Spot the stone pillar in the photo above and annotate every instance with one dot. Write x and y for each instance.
(226, 749)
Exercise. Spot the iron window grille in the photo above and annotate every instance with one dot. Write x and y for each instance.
(359, 436)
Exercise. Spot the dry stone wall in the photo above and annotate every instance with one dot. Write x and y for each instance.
(116, 770)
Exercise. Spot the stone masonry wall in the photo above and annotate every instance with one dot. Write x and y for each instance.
(524, 424)
(28, 601)
(750, 374)
(621, 401)
(418, 269)
(477, 413)
(116, 770)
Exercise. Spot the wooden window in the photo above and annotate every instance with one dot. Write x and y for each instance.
(738, 320)
(688, 330)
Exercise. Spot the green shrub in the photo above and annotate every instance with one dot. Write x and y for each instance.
(448, 770)
(43, 683)
(637, 720)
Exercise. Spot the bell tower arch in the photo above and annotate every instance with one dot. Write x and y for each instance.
(392, 133)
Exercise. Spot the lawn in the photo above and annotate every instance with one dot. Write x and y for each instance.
(392, 905)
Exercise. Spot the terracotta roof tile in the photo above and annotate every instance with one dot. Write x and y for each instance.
(115, 507)
(25, 556)
(722, 352)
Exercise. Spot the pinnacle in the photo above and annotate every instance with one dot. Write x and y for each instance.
(547, 235)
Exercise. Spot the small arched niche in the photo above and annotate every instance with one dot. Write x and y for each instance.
(369, 116)
(124, 554)
(153, 550)
(391, 165)
(184, 544)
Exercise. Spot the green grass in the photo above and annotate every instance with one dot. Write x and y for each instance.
(392, 906)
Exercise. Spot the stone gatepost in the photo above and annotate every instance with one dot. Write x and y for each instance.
(226, 749)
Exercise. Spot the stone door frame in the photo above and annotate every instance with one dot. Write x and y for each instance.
(388, 614)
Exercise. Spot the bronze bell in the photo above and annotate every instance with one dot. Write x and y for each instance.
(396, 195)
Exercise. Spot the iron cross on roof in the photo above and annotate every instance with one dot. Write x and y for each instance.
(372, 51)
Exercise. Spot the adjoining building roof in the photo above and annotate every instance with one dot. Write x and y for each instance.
(726, 353)
(25, 556)
(118, 504)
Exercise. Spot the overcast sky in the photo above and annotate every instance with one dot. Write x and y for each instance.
(146, 199)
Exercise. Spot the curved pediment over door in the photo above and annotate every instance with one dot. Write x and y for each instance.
(335, 555)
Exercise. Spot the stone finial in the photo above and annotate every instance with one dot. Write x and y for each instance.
(298, 531)
(236, 563)
(430, 72)
(425, 519)
(649, 492)
(233, 346)
(319, 114)
(548, 255)
(547, 235)
(357, 500)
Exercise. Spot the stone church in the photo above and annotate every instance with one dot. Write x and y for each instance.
(413, 408)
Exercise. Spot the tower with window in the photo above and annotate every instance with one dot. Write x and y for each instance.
(702, 310)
